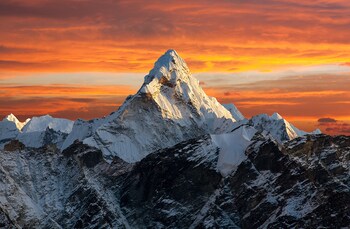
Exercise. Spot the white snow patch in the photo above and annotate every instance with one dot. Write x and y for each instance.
(232, 148)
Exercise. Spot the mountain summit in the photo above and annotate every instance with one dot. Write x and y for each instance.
(12, 118)
(170, 107)
(279, 128)
(178, 94)
(169, 68)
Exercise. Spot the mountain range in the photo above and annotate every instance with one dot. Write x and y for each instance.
(171, 157)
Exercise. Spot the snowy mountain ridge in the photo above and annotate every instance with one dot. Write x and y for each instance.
(41, 123)
(278, 127)
(236, 114)
(35, 132)
(170, 107)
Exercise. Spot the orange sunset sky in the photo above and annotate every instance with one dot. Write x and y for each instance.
(81, 58)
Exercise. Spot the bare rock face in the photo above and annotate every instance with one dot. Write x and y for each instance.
(168, 188)
(275, 189)
(87, 156)
(5, 221)
(45, 189)
(14, 145)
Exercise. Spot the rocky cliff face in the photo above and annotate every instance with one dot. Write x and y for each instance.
(272, 188)
(303, 183)
(42, 188)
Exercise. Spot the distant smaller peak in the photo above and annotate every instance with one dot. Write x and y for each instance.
(47, 116)
(11, 117)
(276, 116)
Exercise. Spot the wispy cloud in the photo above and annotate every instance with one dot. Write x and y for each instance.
(66, 101)
(333, 126)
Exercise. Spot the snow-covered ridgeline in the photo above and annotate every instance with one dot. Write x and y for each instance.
(34, 132)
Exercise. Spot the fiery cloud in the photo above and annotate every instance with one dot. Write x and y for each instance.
(62, 101)
(213, 36)
(326, 120)
(40, 37)
(301, 100)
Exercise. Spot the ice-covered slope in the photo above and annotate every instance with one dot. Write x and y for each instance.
(169, 107)
(35, 132)
(43, 122)
(232, 147)
(82, 129)
(38, 139)
(10, 128)
(236, 114)
(277, 127)
(43, 130)
(8, 131)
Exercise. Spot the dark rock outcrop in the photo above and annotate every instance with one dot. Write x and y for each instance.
(14, 145)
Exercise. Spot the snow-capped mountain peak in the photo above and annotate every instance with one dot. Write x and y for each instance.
(279, 128)
(169, 71)
(276, 116)
(170, 107)
(8, 131)
(41, 123)
(171, 85)
(12, 118)
(166, 67)
(35, 132)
